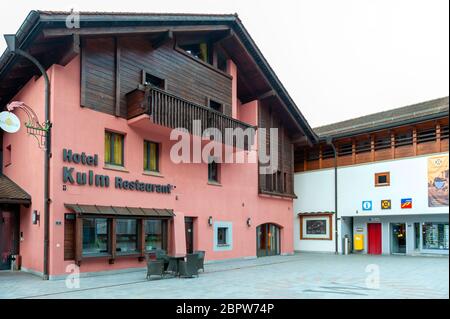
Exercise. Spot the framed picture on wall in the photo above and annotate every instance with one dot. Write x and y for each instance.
(316, 226)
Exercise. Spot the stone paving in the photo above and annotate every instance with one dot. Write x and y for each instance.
(304, 275)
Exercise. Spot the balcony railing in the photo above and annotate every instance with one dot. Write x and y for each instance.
(169, 110)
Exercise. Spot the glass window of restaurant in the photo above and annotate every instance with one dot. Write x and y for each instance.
(126, 236)
(155, 234)
(435, 236)
(95, 236)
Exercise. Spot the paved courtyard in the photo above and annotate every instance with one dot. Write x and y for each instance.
(305, 275)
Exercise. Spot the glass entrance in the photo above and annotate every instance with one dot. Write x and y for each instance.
(8, 238)
(267, 240)
(398, 238)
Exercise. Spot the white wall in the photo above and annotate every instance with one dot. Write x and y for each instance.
(315, 191)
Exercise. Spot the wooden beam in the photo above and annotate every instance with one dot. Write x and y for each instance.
(72, 50)
(163, 39)
(117, 70)
(58, 32)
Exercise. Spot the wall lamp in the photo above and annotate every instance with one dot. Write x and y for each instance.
(35, 217)
(249, 222)
(210, 221)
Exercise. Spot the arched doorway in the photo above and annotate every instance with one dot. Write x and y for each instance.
(267, 240)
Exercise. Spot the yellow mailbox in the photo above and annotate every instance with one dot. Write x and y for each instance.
(358, 242)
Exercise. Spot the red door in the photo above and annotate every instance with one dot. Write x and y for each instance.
(374, 238)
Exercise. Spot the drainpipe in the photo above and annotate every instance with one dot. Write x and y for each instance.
(11, 42)
(330, 142)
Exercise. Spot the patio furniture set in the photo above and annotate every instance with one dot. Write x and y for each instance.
(159, 263)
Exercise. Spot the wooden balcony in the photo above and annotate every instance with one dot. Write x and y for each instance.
(169, 110)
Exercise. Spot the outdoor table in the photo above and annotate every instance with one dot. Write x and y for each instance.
(173, 262)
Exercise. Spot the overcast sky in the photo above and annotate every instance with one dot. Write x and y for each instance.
(338, 59)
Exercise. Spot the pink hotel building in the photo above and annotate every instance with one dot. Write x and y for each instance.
(119, 84)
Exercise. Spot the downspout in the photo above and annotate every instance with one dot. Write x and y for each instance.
(330, 142)
(10, 39)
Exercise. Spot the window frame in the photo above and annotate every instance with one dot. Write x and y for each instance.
(388, 179)
(136, 233)
(225, 232)
(147, 147)
(108, 236)
(164, 233)
(146, 73)
(210, 165)
(112, 148)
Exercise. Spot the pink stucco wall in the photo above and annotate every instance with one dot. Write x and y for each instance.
(82, 130)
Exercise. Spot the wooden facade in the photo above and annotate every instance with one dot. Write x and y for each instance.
(111, 67)
(280, 182)
(404, 141)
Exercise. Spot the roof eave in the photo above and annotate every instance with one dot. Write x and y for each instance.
(429, 117)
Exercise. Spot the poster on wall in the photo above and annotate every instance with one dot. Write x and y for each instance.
(438, 181)
(316, 226)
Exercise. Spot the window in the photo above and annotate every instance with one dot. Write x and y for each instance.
(150, 79)
(114, 148)
(222, 236)
(382, 142)
(213, 171)
(151, 156)
(312, 155)
(199, 50)
(363, 146)
(435, 236)
(327, 152)
(155, 234)
(95, 236)
(426, 135)
(216, 106)
(403, 138)
(444, 132)
(126, 235)
(345, 149)
(382, 179)
(222, 62)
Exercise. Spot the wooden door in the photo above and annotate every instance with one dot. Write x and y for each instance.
(189, 228)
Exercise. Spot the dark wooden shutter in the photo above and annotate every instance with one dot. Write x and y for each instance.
(69, 238)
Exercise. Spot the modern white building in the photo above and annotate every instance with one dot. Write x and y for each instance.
(392, 184)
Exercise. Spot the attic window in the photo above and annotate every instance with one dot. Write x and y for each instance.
(198, 50)
(150, 79)
(216, 106)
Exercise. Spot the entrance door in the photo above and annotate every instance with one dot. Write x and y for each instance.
(8, 238)
(374, 238)
(398, 238)
(189, 228)
(267, 240)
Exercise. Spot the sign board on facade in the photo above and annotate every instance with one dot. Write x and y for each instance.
(367, 205)
(406, 203)
(386, 204)
(9, 122)
(90, 178)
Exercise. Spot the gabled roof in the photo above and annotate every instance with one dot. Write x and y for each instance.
(11, 193)
(37, 21)
(405, 115)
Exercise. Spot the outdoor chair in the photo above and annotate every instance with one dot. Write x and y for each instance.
(155, 268)
(161, 255)
(201, 259)
(189, 267)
